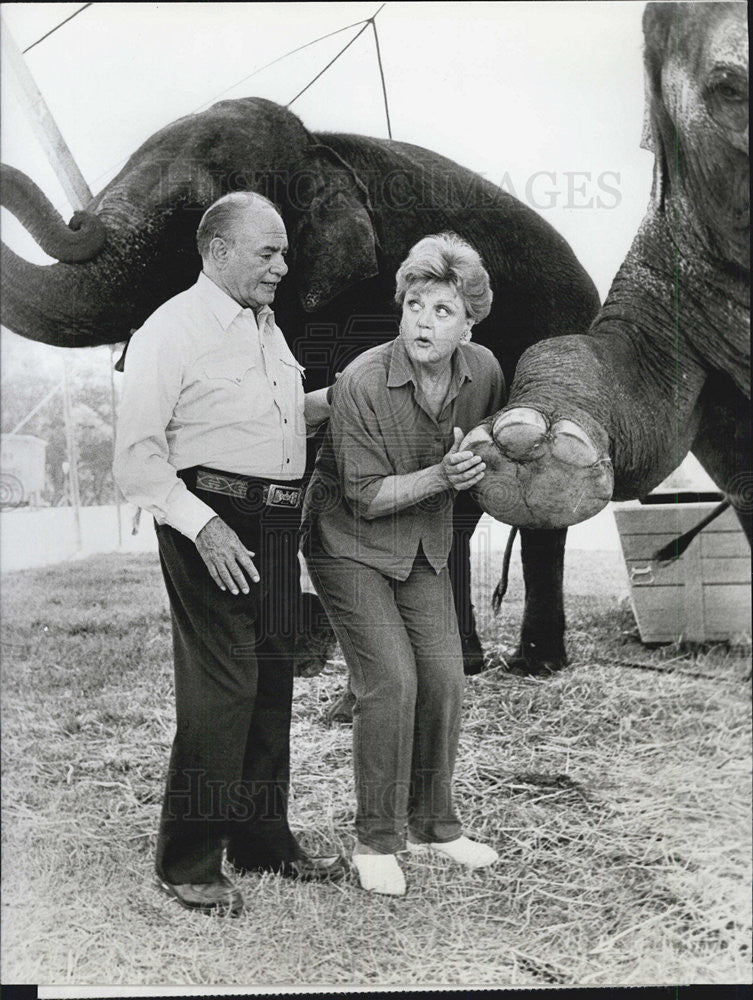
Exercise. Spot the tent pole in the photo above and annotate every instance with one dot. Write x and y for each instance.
(70, 439)
(78, 194)
(49, 135)
(113, 408)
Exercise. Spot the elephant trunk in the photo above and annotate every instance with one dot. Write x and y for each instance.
(110, 275)
(81, 240)
(55, 303)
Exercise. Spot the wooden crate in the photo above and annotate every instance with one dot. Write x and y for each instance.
(705, 595)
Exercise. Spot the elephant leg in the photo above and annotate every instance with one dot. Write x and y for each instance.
(315, 644)
(466, 516)
(542, 640)
(723, 445)
(314, 641)
(342, 709)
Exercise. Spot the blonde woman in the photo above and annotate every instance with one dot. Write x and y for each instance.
(378, 531)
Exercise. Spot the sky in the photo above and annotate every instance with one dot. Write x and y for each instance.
(543, 99)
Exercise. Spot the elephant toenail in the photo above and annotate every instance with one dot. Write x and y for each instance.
(478, 436)
(571, 444)
(521, 416)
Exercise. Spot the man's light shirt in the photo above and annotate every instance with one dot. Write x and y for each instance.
(207, 383)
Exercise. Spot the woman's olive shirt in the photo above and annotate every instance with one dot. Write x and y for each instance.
(380, 425)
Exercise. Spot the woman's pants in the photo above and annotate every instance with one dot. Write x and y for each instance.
(401, 643)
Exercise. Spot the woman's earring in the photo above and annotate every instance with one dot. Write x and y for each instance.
(467, 335)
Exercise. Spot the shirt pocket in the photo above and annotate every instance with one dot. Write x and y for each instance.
(236, 388)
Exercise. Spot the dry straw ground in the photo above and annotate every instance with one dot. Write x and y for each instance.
(618, 796)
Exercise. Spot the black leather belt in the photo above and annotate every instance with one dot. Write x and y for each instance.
(232, 485)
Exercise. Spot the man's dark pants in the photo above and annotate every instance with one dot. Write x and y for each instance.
(229, 768)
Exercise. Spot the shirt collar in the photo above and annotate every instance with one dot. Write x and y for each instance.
(225, 308)
(460, 369)
(401, 370)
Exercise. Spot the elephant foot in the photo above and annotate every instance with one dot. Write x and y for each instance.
(315, 643)
(519, 666)
(527, 663)
(342, 710)
(473, 654)
(541, 473)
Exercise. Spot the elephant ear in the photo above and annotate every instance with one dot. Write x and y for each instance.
(651, 139)
(334, 245)
(658, 19)
(647, 132)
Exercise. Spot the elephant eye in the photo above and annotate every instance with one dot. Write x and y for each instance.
(728, 85)
(729, 92)
(727, 99)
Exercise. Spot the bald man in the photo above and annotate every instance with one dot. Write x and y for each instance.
(212, 441)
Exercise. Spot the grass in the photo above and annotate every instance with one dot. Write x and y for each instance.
(617, 792)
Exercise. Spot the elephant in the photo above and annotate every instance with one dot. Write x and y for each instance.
(353, 206)
(665, 366)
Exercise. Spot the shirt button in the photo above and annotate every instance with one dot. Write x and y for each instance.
(274, 383)
(284, 420)
(287, 461)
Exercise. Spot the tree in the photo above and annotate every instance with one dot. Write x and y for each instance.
(30, 371)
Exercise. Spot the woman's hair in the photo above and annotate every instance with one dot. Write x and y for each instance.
(447, 257)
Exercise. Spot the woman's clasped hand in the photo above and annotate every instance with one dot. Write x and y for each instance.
(462, 469)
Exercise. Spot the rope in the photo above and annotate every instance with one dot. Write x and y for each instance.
(381, 72)
(369, 21)
(674, 549)
(53, 30)
(292, 52)
(36, 409)
(656, 668)
(344, 49)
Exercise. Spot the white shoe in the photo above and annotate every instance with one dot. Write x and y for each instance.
(463, 850)
(380, 873)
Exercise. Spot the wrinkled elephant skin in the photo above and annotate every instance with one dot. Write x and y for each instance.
(665, 366)
(538, 474)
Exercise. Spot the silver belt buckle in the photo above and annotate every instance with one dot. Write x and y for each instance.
(283, 496)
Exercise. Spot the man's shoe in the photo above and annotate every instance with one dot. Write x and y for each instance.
(308, 869)
(303, 868)
(219, 897)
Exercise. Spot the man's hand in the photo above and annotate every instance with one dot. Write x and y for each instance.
(226, 556)
(461, 469)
